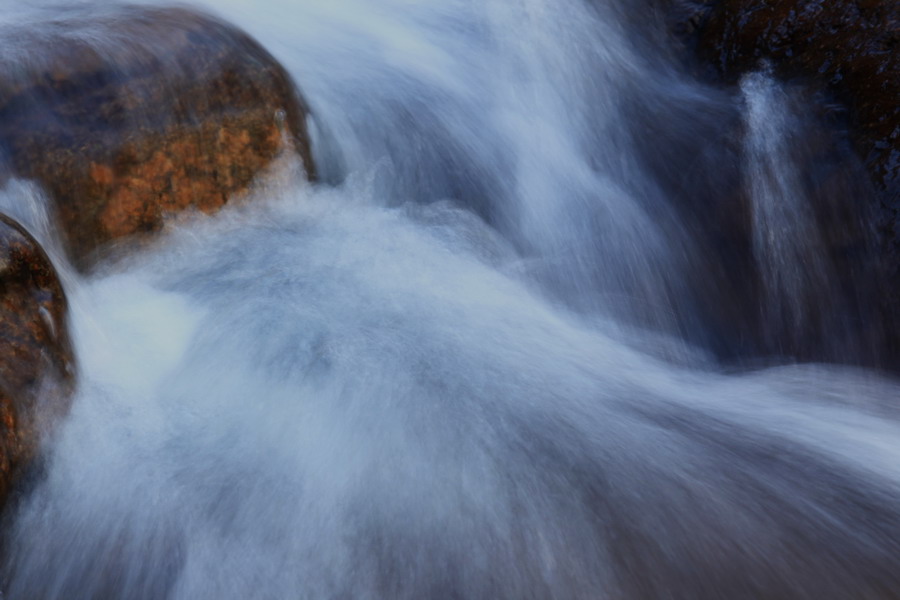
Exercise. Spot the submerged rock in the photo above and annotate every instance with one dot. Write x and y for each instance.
(36, 361)
(126, 113)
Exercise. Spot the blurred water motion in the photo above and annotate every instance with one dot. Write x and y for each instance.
(481, 360)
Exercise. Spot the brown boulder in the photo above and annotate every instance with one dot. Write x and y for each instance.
(127, 113)
(36, 364)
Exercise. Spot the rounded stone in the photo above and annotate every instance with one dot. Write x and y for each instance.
(126, 114)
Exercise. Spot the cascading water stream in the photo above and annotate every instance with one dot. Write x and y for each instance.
(785, 240)
(792, 258)
(459, 367)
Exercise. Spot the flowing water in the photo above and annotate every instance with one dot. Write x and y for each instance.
(490, 355)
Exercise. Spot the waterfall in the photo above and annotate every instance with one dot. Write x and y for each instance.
(475, 359)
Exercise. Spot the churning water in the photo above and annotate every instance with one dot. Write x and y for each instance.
(481, 359)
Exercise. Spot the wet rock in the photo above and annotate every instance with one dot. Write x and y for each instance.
(36, 363)
(852, 47)
(684, 18)
(126, 114)
(845, 55)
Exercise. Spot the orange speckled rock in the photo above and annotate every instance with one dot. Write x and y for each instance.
(36, 362)
(128, 113)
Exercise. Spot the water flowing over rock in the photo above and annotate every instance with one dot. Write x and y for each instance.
(126, 114)
(844, 57)
(853, 47)
(34, 349)
(502, 356)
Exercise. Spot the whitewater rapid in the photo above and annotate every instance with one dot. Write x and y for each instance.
(458, 366)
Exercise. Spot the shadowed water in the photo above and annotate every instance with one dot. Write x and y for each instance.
(479, 361)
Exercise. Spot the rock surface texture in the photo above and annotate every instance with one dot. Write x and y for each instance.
(125, 114)
(36, 362)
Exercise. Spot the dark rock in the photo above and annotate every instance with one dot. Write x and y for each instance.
(850, 46)
(685, 17)
(845, 55)
(126, 114)
(36, 363)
